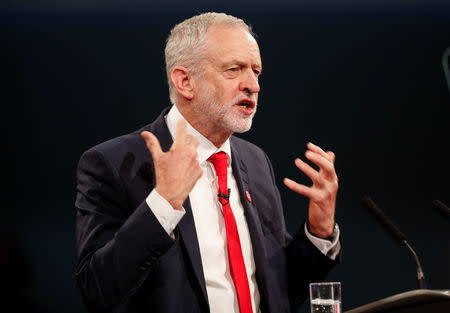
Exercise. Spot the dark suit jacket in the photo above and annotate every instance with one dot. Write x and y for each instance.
(128, 263)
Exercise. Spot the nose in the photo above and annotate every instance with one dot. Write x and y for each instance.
(249, 82)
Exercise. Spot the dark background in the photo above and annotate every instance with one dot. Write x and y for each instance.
(364, 79)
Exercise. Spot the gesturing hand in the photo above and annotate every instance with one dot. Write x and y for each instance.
(176, 170)
(322, 193)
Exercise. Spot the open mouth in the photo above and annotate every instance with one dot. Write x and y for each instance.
(246, 104)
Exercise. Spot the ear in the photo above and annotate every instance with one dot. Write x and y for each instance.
(183, 81)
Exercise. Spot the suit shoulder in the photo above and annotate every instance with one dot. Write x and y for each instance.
(247, 147)
(130, 143)
(252, 157)
(118, 145)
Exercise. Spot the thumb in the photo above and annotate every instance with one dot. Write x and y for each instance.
(152, 144)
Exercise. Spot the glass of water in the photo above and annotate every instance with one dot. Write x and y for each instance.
(325, 297)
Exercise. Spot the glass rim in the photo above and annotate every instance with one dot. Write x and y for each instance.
(326, 283)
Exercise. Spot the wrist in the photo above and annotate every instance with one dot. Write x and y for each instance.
(173, 201)
(320, 233)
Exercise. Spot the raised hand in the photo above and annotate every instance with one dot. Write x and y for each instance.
(322, 193)
(176, 170)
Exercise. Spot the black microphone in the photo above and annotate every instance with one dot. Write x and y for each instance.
(441, 208)
(396, 234)
(223, 197)
(445, 66)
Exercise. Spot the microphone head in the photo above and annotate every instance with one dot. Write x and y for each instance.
(383, 220)
(441, 208)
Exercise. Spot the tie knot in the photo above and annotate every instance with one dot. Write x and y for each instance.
(219, 160)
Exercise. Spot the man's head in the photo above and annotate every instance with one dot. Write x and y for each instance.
(213, 64)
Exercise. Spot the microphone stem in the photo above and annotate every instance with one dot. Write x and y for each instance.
(420, 275)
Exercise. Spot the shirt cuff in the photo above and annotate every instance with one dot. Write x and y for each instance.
(167, 216)
(329, 248)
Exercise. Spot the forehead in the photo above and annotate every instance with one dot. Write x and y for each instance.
(229, 43)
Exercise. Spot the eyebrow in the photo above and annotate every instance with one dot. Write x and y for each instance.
(239, 63)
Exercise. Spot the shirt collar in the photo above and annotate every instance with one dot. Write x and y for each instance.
(205, 148)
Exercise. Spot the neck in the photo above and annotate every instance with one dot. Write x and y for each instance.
(213, 133)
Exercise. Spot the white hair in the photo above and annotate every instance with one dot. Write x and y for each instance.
(186, 44)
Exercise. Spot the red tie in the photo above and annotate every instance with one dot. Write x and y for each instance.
(237, 266)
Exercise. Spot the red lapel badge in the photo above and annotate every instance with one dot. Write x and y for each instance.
(248, 196)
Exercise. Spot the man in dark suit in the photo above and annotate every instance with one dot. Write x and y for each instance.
(181, 216)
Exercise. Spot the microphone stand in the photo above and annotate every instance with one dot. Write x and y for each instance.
(396, 235)
(420, 275)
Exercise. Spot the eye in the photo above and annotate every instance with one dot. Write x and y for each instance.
(232, 72)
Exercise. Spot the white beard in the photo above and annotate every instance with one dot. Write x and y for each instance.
(225, 116)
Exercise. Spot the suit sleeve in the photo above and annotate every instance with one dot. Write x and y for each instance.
(305, 263)
(117, 245)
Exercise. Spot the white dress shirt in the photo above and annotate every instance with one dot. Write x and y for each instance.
(210, 225)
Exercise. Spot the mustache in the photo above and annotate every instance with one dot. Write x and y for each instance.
(236, 100)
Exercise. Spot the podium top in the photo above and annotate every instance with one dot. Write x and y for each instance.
(409, 299)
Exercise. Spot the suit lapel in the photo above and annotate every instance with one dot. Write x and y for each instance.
(254, 223)
(188, 235)
(186, 226)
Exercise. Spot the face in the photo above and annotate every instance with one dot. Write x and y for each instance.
(227, 91)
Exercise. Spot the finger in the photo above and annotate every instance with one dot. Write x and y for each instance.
(309, 192)
(298, 188)
(190, 140)
(319, 150)
(193, 142)
(308, 171)
(332, 155)
(324, 164)
(180, 135)
(152, 144)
